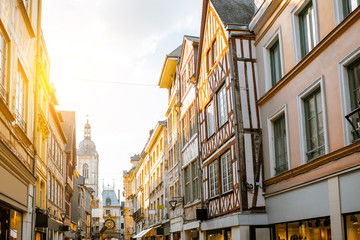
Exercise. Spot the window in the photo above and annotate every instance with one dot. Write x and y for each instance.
(306, 229)
(20, 101)
(211, 56)
(187, 184)
(107, 212)
(222, 106)
(108, 201)
(3, 57)
(192, 121)
(213, 179)
(185, 129)
(314, 125)
(354, 89)
(210, 119)
(306, 25)
(352, 226)
(349, 6)
(86, 171)
(312, 122)
(226, 172)
(275, 63)
(305, 28)
(195, 180)
(280, 145)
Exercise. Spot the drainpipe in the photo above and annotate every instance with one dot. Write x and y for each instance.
(35, 136)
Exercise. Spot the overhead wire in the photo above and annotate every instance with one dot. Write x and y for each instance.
(115, 82)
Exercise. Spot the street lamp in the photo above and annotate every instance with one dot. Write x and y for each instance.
(173, 202)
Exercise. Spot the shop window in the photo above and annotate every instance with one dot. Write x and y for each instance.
(352, 226)
(15, 225)
(305, 229)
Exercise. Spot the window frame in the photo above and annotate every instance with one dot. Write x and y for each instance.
(340, 12)
(283, 111)
(211, 55)
(344, 89)
(296, 26)
(277, 37)
(213, 123)
(315, 86)
(214, 186)
(229, 182)
(21, 105)
(222, 94)
(6, 61)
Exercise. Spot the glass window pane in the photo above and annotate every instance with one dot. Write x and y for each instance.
(15, 225)
(281, 161)
(210, 116)
(306, 29)
(352, 226)
(222, 106)
(314, 125)
(275, 63)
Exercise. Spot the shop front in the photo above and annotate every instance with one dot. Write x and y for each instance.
(41, 224)
(10, 223)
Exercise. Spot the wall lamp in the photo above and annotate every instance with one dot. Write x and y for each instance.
(354, 119)
(174, 201)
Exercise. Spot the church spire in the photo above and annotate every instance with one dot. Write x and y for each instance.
(87, 129)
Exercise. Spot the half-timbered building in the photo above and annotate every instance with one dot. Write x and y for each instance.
(189, 146)
(230, 133)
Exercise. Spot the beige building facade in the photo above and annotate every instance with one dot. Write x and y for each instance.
(308, 77)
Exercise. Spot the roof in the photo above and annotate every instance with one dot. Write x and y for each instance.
(110, 194)
(176, 52)
(169, 69)
(192, 38)
(69, 127)
(234, 12)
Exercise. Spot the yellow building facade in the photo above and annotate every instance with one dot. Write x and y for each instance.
(19, 44)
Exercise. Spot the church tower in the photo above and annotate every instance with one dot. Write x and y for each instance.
(88, 160)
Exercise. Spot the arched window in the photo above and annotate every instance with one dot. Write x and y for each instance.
(108, 202)
(86, 171)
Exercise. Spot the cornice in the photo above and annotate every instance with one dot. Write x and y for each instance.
(316, 51)
(332, 156)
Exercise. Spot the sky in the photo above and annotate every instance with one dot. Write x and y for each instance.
(106, 58)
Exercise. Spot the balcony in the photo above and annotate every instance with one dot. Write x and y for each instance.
(138, 215)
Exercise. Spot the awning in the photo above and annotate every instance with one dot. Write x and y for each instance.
(142, 233)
